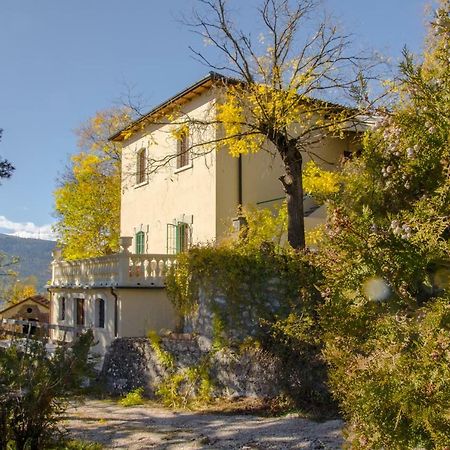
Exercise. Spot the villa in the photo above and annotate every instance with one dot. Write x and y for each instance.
(173, 196)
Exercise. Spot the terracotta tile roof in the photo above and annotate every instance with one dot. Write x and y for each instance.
(40, 299)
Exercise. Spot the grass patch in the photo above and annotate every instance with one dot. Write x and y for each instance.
(133, 398)
(75, 444)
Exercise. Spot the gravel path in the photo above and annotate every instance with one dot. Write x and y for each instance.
(144, 427)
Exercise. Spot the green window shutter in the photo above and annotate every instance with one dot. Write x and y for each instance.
(140, 243)
(183, 237)
(178, 237)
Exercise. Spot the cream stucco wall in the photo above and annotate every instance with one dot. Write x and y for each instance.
(142, 310)
(170, 195)
(102, 336)
(138, 311)
(205, 194)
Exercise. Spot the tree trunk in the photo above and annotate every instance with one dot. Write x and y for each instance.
(292, 182)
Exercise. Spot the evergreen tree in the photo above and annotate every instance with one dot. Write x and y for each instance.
(386, 259)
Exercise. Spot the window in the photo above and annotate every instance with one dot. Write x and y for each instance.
(183, 153)
(140, 242)
(100, 313)
(141, 175)
(80, 311)
(178, 237)
(62, 308)
(183, 237)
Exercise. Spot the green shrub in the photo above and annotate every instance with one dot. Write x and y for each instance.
(165, 358)
(270, 297)
(133, 398)
(187, 387)
(394, 389)
(385, 316)
(260, 286)
(76, 445)
(35, 388)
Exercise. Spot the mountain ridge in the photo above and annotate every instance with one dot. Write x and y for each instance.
(35, 256)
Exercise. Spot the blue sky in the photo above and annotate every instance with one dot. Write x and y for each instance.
(61, 61)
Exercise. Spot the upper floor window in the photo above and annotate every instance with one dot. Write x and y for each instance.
(183, 151)
(141, 163)
(140, 242)
(100, 313)
(62, 308)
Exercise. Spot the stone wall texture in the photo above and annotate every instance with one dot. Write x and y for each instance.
(243, 319)
(131, 363)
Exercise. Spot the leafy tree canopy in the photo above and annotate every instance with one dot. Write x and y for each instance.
(87, 202)
(385, 255)
(17, 290)
(280, 90)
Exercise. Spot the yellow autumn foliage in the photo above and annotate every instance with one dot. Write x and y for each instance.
(178, 132)
(315, 236)
(19, 290)
(319, 182)
(87, 203)
(246, 112)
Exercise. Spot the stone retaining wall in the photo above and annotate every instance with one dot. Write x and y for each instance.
(132, 363)
(245, 321)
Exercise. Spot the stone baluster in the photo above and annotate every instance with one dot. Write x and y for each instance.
(153, 265)
(161, 266)
(141, 265)
(146, 269)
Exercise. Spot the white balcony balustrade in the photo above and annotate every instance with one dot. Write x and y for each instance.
(122, 269)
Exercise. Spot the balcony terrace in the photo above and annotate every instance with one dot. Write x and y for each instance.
(122, 269)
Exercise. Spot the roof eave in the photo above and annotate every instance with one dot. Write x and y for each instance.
(202, 85)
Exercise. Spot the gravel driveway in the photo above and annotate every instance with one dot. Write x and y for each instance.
(149, 427)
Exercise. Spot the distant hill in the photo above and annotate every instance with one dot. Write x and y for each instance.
(35, 256)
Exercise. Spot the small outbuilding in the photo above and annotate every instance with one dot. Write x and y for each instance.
(34, 309)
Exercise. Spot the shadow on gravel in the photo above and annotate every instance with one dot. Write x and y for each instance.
(148, 427)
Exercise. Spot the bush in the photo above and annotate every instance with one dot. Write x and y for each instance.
(133, 398)
(261, 280)
(256, 287)
(76, 445)
(385, 254)
(187, 387)
(394, 389)
(35, 388)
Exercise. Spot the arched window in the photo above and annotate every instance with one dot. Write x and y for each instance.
(62, 308)
(141, 168)
(100, 313)
(140, 243)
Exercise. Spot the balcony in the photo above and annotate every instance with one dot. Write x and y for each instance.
(122, 269)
